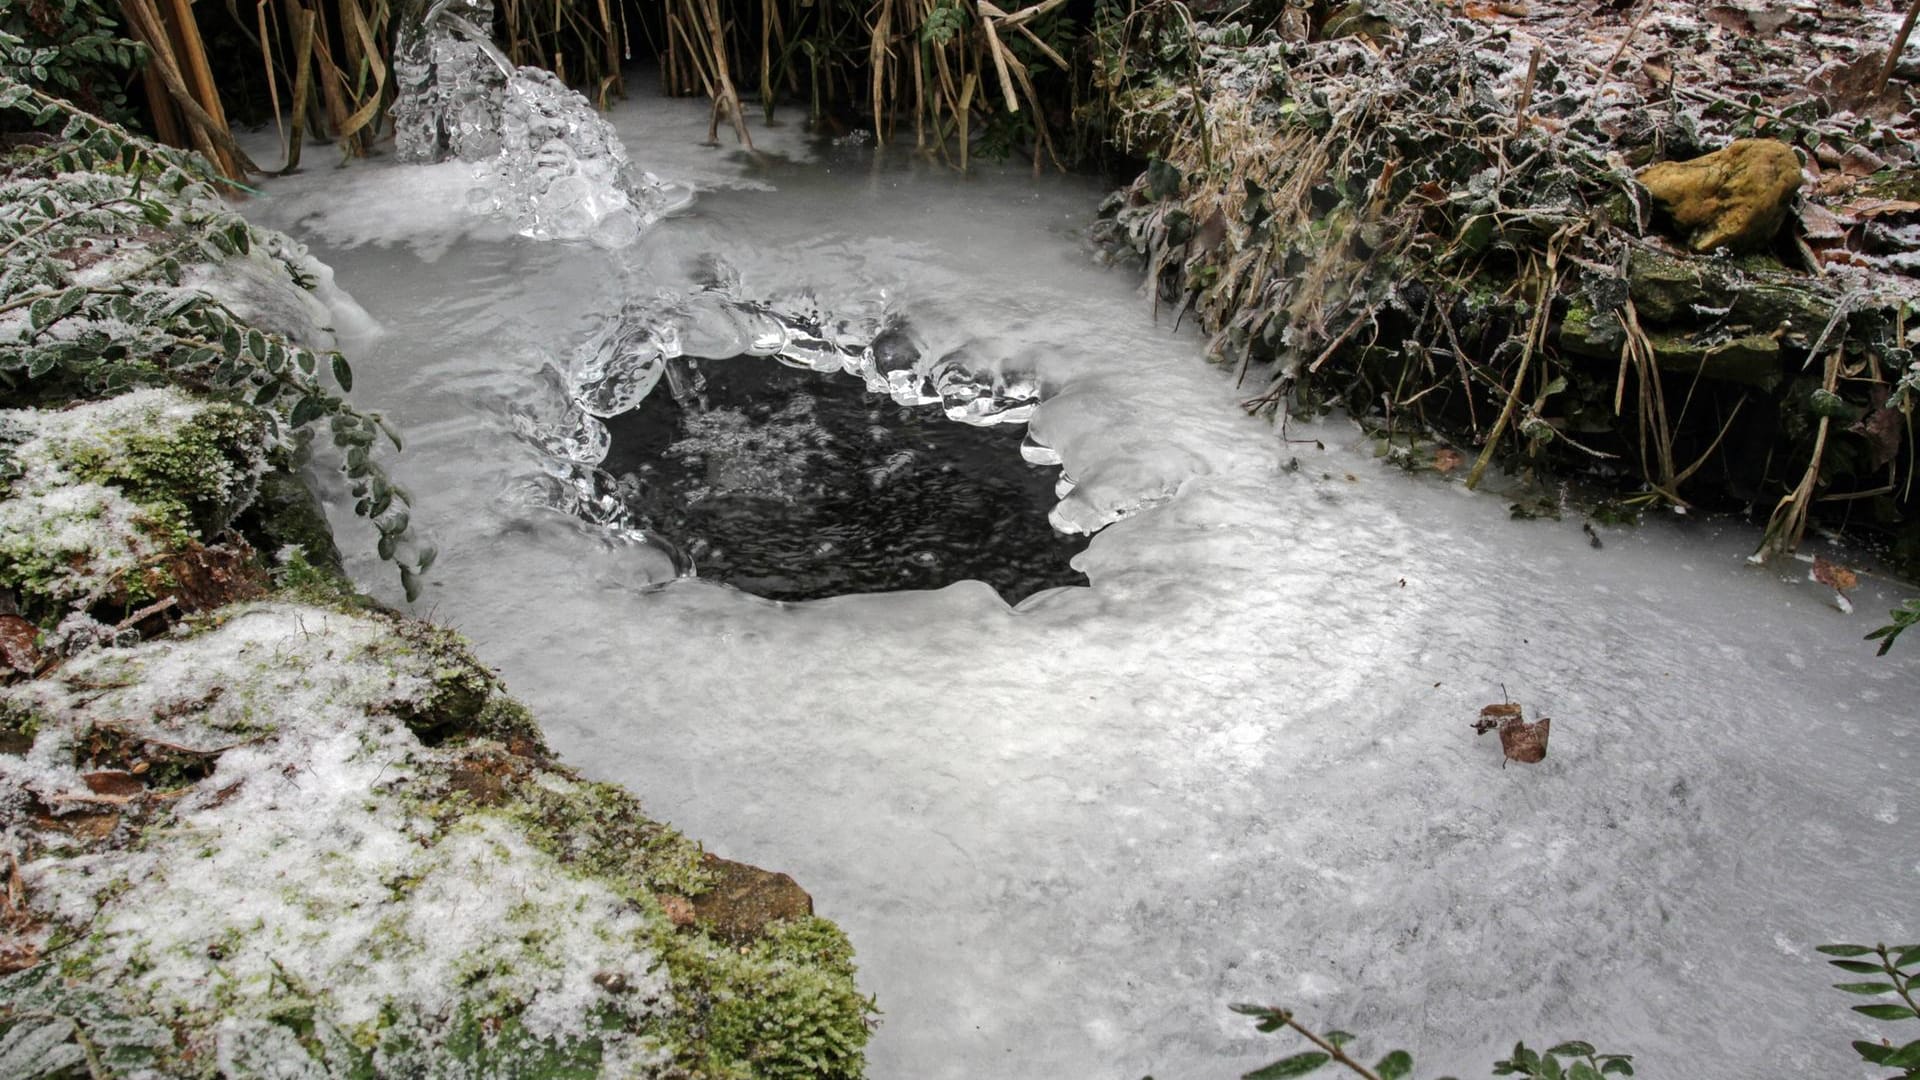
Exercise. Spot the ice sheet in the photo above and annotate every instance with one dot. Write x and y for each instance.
(1239, 766)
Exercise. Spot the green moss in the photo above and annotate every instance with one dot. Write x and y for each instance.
(195, 477)
(1753, 359)
(782, 1007)
(285, 513)
(456, 704)
(599, 830)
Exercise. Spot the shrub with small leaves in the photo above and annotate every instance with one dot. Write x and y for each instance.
(72, 48)
(1899, 619)
(1565, 1061)
(1895, 980)
(97, 235)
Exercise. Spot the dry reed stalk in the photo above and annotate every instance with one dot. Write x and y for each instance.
(727, 98)
(207, 131)
(166, 119)
(302, 29)
(1788, 522)
(1534, 342)
(877, 55)
(998, 52)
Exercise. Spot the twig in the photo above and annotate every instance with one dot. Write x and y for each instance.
(1899, 46)
(1526, 92)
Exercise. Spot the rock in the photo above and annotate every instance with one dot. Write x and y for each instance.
(1355, 20)
(1735, 197)
(745, 899)
(1753, 359)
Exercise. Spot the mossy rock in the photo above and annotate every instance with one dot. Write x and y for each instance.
(1734, 198)
(1356, 19)
(335, 897)
(102, 498)
(1753, 359)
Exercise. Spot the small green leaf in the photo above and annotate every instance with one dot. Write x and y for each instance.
(1873, 1052)
(1340, 1038)
(1395, 1066)
(1865, 987)
(257, 344)
(1907, 1057)
(1843, 950)
(1582, 1071)
(305, 411)
(385, 546)
(410, 582)
(1297, 1065)
(1884, 1012)
(1575, 1048)
(1859, 967)
(342, 374)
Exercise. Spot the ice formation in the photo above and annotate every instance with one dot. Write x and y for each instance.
(1239, 767)
(548, 163)
(615, 369)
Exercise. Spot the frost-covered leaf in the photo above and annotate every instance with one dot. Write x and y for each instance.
(1395, 1066)
(33, 1049)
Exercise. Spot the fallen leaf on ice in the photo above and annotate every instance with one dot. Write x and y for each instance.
(1833, 575)
(1519, 740)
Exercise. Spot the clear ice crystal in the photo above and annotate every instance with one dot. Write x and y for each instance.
(548, 163)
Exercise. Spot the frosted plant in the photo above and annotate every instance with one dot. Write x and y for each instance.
(106, 236)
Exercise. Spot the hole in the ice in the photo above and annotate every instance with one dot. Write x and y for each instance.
(795, 485)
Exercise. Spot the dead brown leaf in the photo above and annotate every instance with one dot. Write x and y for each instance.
(1834, 576)
(1524, 742)
(1446, 459)
(113, 782)
(1881, 428)
(1519, 740)
(18, 650)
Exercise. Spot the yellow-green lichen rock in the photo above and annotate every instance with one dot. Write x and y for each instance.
(1735, 197)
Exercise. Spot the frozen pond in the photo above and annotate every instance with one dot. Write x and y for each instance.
(1240, 765)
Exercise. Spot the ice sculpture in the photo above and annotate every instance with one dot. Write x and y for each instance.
(548, 163)
(620, 365)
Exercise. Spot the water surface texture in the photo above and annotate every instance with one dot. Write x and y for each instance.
(1239, 766)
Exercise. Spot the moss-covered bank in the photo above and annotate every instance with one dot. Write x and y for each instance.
(251, 823)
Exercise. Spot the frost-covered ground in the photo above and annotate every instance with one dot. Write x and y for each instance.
(1239, 766)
